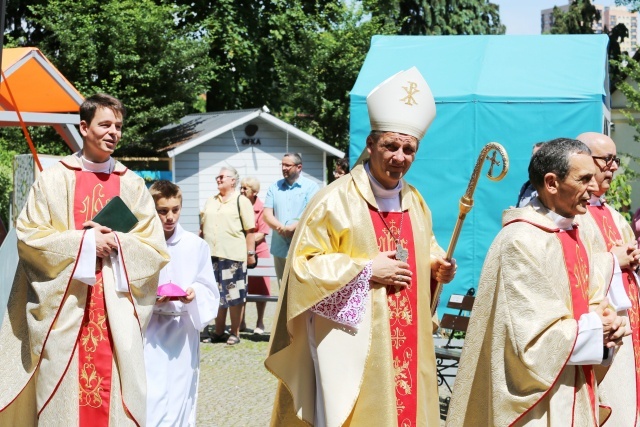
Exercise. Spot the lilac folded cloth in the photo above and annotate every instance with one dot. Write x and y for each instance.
(171, 290)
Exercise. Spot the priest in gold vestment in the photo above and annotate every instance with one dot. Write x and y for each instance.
(541, 320)
(611, 232)
(353, 341)
(71, 348)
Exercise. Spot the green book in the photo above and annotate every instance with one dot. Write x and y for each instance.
(116, 215)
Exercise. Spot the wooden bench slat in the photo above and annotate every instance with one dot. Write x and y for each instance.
(457, 323)
(466, 304)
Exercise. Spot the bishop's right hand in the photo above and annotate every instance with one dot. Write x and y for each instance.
(388, 271)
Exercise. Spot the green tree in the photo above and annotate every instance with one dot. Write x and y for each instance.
(630, 68)
(439, 17)
(632, 5)
(321, 65)
(132, 49)
(579, 19)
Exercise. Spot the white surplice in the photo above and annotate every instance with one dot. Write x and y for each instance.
(172, 340)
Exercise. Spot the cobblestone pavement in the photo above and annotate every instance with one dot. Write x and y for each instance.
(235, 388)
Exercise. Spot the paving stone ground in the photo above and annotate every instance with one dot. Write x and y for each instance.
(235, 388)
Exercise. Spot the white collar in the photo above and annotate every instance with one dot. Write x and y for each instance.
(178, 232)
(596, 201)
(560, 221)
(379, 190)
(104, 167)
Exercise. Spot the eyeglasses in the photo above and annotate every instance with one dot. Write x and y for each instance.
(608, 161)
(287, 166)
(245, 188)
(222, 177)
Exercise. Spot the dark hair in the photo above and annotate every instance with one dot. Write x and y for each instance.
(101, 100)
(343, 164)
(164, 189)
(553, 157)
(296, 157)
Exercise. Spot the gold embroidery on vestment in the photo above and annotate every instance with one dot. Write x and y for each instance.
(400, 309)
(404, 382)
(610, 234)
(397, 338)
(580, 272)
(93, 204)
(90, 386)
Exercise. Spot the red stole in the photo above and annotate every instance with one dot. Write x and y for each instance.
(577, 262)
(403, 315)
(95, 355)
(611, 235)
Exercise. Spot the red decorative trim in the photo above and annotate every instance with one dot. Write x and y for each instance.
(542, 227)
(44, 343)
(72, 167)
(552, 384)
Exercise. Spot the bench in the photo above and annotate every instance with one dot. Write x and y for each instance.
(448, 355)
(265, 268)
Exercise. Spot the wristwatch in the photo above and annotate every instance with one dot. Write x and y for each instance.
(251, 252)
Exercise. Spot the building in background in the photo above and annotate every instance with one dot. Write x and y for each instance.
(609, 18)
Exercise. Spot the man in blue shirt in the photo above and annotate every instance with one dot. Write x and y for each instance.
(286, 199)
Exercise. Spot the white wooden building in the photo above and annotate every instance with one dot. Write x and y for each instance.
(251, 141)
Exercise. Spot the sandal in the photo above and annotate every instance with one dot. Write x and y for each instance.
(217, 338)
(233, 340)
(258, 331)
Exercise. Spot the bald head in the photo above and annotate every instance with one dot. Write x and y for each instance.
(602, 148)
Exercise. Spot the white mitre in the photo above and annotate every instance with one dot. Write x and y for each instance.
(403, 103)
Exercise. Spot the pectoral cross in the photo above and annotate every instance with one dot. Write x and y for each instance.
(402, 254)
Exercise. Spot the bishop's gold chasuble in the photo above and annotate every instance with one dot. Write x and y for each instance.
(383, 373)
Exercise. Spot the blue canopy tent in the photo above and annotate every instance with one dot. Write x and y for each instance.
(515, 90)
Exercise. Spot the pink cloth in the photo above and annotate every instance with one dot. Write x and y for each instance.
(171, 290)
(262, 249)
(347, 306)
(260, 285)
(635, 225)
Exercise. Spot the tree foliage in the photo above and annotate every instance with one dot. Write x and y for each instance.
(579, 19)
(439, 17)
(299, 57)
(632, 5)
(131, 49)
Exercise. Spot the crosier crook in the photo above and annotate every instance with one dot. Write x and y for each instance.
(466, 201)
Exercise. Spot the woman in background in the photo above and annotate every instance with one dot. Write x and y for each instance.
(250, 187)
(227, 226)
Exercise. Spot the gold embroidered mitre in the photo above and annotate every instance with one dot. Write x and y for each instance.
(403, 103)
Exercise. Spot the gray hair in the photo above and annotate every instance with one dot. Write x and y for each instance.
(296, 157)
(252, 183)
(233, 172)
(553, 157)
(375, 136)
